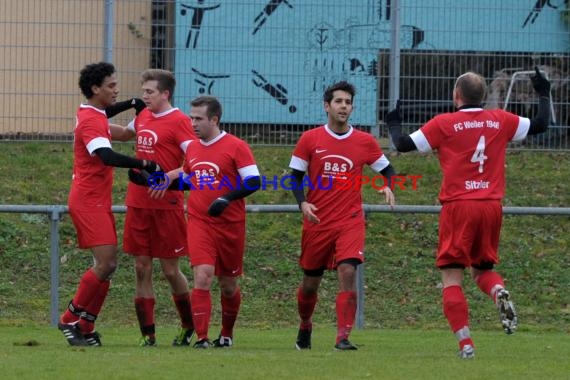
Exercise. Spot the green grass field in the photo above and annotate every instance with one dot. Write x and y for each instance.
(405, 334)
(41, 353)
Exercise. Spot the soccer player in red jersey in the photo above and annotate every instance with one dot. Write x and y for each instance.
(223, 172)
(333, 226)
(156, 228)
(90, 200)
(471, 144)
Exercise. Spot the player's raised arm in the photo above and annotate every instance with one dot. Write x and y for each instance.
(112, 158)
(541, 121)
(118, 107)
(403, 143)
(121, 133)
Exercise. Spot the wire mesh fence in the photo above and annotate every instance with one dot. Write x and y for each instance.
(270, 60)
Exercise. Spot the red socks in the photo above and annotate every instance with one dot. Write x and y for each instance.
(182, 302)
(201, 311)
(86, 291)
(456, 311)
(88, 326)
(489, 282)
(345, 314)
(144, 308)
(306, 306)
(230, 310)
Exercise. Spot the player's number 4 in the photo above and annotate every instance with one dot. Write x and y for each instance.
(479, 154)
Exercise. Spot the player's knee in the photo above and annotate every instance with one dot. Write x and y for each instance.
(203, 280)
(172, 274)
(229, 291)
(108, 268)
(346, 270)
(309, 290)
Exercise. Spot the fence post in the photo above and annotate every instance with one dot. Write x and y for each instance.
(360, 296)
(394, 86)
(108, 30)
(55, 215)
(360, 292)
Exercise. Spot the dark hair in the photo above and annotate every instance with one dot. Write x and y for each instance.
(165, 79)
(472, 88)
(213, 106)
(94, 74)
(339, 86)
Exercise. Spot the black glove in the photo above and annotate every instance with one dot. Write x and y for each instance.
(218, 206)
(119, 107)
(394, 117)
(151, 167)
(540, 83)
(138, 104)
(138, 178)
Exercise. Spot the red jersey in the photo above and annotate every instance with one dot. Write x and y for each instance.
(92, 181)
(327, 156)
(471, 147)
(162, 138)
(215, 168)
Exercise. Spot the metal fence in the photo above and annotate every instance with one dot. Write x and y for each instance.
(55, 212)
(269, 60)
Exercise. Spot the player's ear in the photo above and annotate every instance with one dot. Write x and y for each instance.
(456, 96)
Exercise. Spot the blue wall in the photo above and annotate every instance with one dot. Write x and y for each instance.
(269, 60)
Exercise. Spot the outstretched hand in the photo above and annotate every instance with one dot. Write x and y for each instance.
(540, 83)
(389, 196)
(308, 210)
(394, 117)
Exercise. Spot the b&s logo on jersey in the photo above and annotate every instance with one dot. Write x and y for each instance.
(146, 139)
(205, 172)
(336, 166)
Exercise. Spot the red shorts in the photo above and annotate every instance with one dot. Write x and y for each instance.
(469, 233)
(218, 244)
(94, 228)
(155, 233)
(324, 249)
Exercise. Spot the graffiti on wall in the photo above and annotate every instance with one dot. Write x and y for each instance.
(269, 61)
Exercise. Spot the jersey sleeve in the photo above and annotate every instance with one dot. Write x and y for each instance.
(94, 135)
(376, 159)
(184, 133)
(429, 136)
(519, 126)
(185, 167)
(301, 154)
(244, 161)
